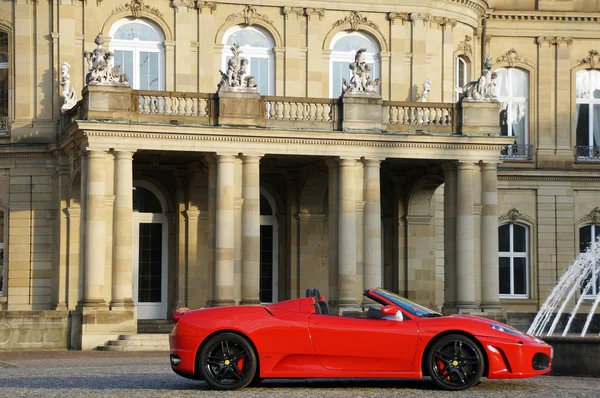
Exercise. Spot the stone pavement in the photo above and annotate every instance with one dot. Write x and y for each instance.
(147, 374)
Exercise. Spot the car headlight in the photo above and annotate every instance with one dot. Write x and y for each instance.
(505, 329)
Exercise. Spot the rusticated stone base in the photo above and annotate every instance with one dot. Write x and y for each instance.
(33, 330)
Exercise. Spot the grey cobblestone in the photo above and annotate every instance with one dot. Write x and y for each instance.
(145, 374)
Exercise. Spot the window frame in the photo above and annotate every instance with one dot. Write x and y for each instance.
(373, 58)
(458, 89)
(139, 46)
(250, 52)
(594, 233)
(512, 255)
(7, 65)
(591, 101)
(510, 100)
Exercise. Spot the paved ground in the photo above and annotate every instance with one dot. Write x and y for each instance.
(147, 374)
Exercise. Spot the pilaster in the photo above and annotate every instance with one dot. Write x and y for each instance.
(251, 230)
(347, 235)
(465, 236)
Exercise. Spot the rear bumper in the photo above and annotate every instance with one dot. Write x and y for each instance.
(510, 360)
(182, 356)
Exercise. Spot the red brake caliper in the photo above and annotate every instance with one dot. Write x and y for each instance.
(441, 367)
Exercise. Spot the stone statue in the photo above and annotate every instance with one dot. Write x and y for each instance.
(68, 92)
(484, 88)
(425, 93)
(100, 67)
(360, 82)
(236, 78)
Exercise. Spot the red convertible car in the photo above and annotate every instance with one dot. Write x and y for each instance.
(230, 347)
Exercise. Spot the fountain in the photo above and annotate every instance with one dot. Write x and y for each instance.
(580, 277)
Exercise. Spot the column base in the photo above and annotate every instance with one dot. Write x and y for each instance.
(468, 307)
(121, 304)
(220, 303)
(490, 307)
(60, 307)
(249, 302)
(93, 303)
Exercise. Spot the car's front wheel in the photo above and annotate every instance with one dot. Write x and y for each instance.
(227, 361)
(455, 362)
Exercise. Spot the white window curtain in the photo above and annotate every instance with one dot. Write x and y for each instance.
(513, 89)
(138, 46)
(257, 46)
(587, 115)
(343, 48)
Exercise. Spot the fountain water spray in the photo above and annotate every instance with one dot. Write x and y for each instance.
(580, 277)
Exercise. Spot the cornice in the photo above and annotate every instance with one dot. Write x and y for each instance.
(547, 178)
(542, 16)
(554, 41)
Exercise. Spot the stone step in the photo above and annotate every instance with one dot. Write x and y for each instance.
(133, 348)
(150, 326)
(145, 336)
(138, 342)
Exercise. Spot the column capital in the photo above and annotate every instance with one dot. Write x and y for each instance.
(94, 153)
(226, 157)
(251, 158)
(491, 166)
(450, 166)
(124, 155)
(191, 214)
(465, 165)
(72, 212)
(347, 162)
(373, 162)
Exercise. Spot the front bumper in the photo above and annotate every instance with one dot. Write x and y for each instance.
(517, 358)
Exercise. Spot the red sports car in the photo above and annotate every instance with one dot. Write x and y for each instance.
(230, 347)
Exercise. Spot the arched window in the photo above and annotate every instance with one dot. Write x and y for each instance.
(257, 46)
(513, 252)
(461, 76)
(513, 93)
(343, 49)
(138, 46)
(588, 112)
(587, 235)
(4, 73)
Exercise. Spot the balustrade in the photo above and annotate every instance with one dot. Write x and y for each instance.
(419, 115)
(173, 104)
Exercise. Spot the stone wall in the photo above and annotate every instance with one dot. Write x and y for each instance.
(24, 330)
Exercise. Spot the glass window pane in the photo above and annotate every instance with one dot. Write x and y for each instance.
(585, 238)
(150, 263)
(250, 37)
(520, 275)
(519, 239)
(595, 83)
(125, 58)
(259, 68)
(518, 126)
(504, 275)
(519, 82)
(582, 84)
(136, 31)
(148, 70)
(502, 83)
(340, 70)
(461, 72)
(583, 125)
(504, 238)
(354, 43)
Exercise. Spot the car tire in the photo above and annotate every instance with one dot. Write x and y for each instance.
(227, 361)
(455, 362)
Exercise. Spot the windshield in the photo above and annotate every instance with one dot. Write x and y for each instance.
(407, 305)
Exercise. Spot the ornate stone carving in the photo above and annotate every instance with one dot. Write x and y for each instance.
(592, 60)
(68, 93)
(250, 15)
(425, 92)
(287, 11)
(320, 12)
(513, 216)
(511, 58)
(189, 4)
(484, 88)
(466, 45)
(355, 19)
(211, 5)
(138, 9)
(360, 82)
(402, 16)
(414, 17)
(101, 69)
(593, 217)
(443, 22)
(236, 77)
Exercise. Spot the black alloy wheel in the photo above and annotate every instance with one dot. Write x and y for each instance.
(227, 362)
(455, 362)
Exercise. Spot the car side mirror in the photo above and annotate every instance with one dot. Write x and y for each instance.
(389, 310)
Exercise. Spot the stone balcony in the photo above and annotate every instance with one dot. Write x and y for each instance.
(120, 104)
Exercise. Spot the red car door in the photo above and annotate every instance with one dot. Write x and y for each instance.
(344, 343)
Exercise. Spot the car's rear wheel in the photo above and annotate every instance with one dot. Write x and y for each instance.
(227, 362)
(455, 362)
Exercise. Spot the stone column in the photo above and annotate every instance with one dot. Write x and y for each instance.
(122, 231)
(64, 185)
(372, 225)
(347, 235)
(225, 234)
(489, 237)
(251, 230)
(465, 236)
(449, 237)
(360, 207)
(181, 220)
(211, 161)
(73, 263)
(332, 220)
(546, 86)
(94, 239)
(292, 281)
(190, 277)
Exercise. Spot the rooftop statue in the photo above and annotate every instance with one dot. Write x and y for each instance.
(484, 88)
(236, 78)
(68, 91)
(101, 70)
(360, 82)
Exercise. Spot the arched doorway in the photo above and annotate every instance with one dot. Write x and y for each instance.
(268, 248)
(150, 251)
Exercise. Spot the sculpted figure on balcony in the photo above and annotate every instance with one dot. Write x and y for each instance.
(484, 88)
(236, 77)
(101, 69)
(68, 92)
(360, 82)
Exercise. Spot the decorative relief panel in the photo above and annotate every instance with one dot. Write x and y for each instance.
(466, 46)
(513, 216)
(511, 58)
(592, 60)
(250, 15)
(355, 19)
(593, 217)
(138, 9)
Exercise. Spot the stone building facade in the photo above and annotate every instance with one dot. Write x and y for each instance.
(123, 202)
